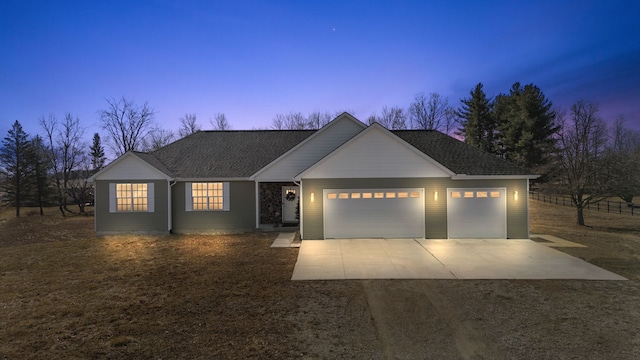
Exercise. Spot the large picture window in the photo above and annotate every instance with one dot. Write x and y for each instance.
(131, 197)
(207, 196)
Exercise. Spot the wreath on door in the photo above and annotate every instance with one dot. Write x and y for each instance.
(290, 196)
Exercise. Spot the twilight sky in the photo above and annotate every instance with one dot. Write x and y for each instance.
(254, 59)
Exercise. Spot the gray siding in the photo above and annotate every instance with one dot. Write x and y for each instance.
(240, 217)
(435, 211)
(131, 222)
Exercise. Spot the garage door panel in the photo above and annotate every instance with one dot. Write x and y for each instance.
(476, 213)
(395, 214)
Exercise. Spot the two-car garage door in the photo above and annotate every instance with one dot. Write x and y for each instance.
(373, 213)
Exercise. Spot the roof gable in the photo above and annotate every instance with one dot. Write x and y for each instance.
(133, 166)
(375, 153)
(312, 149)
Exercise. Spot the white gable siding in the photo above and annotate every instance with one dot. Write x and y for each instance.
(310, 152)
(375, 154)
(131, 168)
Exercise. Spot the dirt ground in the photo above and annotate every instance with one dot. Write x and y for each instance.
(66, 294)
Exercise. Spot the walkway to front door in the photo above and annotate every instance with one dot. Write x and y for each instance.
(439, 259)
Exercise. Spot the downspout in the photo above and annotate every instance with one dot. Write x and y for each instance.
(301, 201)
(170, 210)
(257, 197)
(95, 218)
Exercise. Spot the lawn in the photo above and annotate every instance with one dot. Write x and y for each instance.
(613, 240)
(65, 294)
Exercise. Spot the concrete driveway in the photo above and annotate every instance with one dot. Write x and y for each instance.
(439, 259)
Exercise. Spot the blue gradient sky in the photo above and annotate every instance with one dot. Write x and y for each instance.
(254, 59)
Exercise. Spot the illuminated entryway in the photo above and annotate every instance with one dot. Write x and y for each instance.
(477, 213)
(289, 204)
(373, 213)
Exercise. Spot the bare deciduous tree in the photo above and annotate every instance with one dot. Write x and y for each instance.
(318, 119)
(451, 121)
(157, 138)
(291, 121)
(81, 190)
(623, 156)
(65, 153)
(219, 122)
(126, 123)
(40, 163)
(393, 118)
(188, 125)
(583, 172)
(431, 113)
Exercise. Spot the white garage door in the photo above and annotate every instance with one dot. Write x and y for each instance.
(477, 213)
(373, 213)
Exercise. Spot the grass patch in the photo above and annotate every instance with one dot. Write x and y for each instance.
(140, 296)
(65, 293)
(612, 240)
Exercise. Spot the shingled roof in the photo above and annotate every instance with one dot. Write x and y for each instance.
(239, 154)
(233, 154)
(153, 161)
(458, 156)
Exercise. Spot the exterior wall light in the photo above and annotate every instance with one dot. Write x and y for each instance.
(515, 195)
(312, 197)
(435, 196)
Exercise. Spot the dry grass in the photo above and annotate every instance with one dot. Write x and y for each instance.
(66, 294)
(613, 240)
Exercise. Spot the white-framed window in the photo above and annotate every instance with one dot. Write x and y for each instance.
(207, 196)
(374, 195)
(131, 197)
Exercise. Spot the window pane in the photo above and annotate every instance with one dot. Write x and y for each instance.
(495, 194)
(366, 195)
(378, 195)
(332, 196)
(481, 194)
(343, 195)
(455, 194)
(131, 197)
(355, 195)
(468, 194)
(414, 194)
(403, 195)
(207, 196)
(391, 195)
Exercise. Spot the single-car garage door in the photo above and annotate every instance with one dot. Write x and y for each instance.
(373, 213)
(477, 213)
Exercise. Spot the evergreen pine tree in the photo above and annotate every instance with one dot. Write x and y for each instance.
(479, 127)
(13, 156)
(526, 126)
(97, 153)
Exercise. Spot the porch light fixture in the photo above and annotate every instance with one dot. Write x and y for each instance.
(515, 195)
(312, 197)
(435, 196)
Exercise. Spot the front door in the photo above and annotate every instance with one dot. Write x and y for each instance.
(289, 204)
